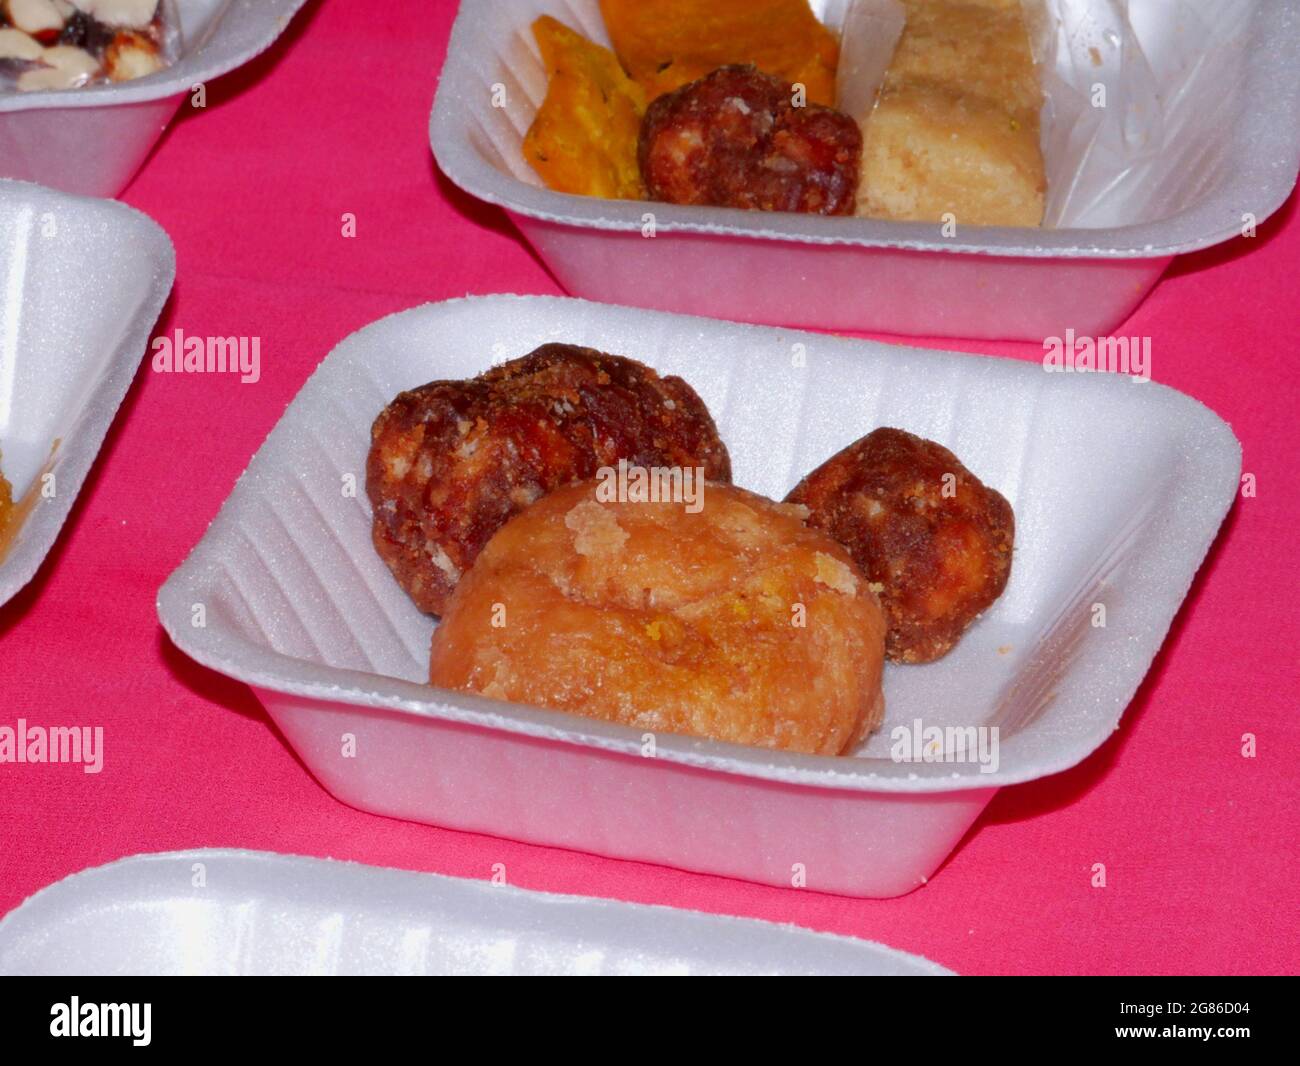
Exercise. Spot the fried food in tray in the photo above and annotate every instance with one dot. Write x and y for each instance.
(933, 539)
(734, 621)
(584, 138)
(665, 44)
(736, 139)
(568, 514)
(956, 126)
(952, 131)
(452, 461)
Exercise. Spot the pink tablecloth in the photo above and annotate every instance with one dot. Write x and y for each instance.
(1200, 844)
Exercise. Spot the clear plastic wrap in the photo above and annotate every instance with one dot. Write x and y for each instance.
(1137, 95)
(59, 44)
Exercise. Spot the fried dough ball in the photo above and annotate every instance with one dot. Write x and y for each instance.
(735, 139)
(931, 537)
(736, 622)
(452, 461)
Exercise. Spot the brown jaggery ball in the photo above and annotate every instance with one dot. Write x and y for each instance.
(737, 622)
(452, 461)
(931, 537)
(736, 139)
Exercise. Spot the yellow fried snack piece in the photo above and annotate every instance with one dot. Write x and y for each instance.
(666, 43)
(956, 127)
(6, 503)
(584, 137)
(8, 517)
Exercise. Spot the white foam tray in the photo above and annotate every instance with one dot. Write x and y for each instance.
(81, 285)
(92, 141)
(865, 274)
(220, 912)
(1118, 489)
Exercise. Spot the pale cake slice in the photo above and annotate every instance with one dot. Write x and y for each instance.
(956, 128)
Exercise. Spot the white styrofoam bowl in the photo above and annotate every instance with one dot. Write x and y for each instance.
(241, 913)
(1118, 488)
(82, 282)
(91, 141)
(857, 273)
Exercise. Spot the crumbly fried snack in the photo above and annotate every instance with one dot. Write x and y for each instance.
(452, 461)
(583, 138)
(927, 532)
(665, 44)
(737, 622)
(735, 139)
(6, 503)
(956, 126)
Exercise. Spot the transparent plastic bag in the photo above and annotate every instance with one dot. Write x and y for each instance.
(1137, 95)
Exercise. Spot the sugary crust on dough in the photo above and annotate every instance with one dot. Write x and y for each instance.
(737, 623)
(931, 537)
(452, 461)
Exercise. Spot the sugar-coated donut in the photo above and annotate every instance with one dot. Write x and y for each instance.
(730, 619)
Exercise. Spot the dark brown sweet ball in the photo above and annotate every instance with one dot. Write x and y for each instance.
(927, 532)
(736, 139)
(452, 461)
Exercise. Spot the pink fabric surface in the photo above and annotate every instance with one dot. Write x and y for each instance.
(1200, 844)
